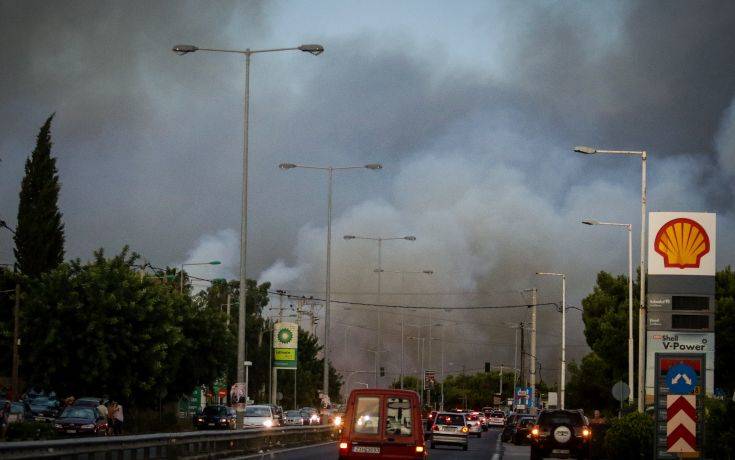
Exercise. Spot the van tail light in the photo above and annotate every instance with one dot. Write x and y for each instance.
(343, 445)
(534, 431)
(586, 432)
(434, 427)
(419, 449)
(465, 429)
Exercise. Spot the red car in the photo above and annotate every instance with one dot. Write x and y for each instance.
(382, 423)
(81, 420)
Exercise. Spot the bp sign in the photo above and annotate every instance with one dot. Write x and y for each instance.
(285, 345)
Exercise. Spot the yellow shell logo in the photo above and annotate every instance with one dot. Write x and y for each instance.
(682, 243)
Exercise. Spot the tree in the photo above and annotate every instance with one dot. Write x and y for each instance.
(39, 234)
(590, 385)
(725, 329)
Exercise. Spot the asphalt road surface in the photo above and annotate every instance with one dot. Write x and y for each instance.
(488, 447)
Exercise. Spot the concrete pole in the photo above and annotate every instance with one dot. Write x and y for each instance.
(380, 311)
(630, 316)
(563, 336)
(642, 312)
(328, 304)
(16, 340)
(243, 228)
(532, 370)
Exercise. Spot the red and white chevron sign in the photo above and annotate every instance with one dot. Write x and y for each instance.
(681, 423)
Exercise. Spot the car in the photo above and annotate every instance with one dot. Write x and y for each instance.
(561, 434)
(509, 426)
(522, 430)
(311, 415)
(43, 408)
(496, 418)
(19, 412)
(450, 429)
(76, 420)
(429, 423)
(215, 417)
(382, 423)
(88, 401)
(293, 417)
(473, 423)
(259, 416)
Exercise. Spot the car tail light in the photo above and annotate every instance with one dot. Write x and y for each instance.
(434, 427)
(419, 449)
(534, 431)
(465, 429)
(586, 432)
(343, 445)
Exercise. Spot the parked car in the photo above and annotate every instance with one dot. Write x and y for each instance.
(259, 416)
(450, 428)
(311, 415)
(473, 423)
(216, 417)
(43, 408)
(382, 423)
(19, 412)
(77, 420)
(522, 431)
(561, 434)
(293, 417)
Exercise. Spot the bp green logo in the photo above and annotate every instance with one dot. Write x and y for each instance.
(285, 335)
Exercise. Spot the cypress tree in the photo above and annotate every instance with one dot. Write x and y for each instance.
(39, 233)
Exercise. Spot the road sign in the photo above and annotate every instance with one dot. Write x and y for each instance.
(681, 379)
(285, 344)
(681, 423)
(620, 391)
(429, 379)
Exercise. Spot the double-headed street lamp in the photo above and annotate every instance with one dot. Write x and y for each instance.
(642, 311)
(327, 308)
(186, 49)
(628, 227)
(563, 332)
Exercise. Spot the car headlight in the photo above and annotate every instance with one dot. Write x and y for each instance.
(200, 420)
(223, 420)
(88, 426)
(268, 423)
(338, 421)
(56, 425)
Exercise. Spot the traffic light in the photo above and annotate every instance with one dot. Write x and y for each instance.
(382, 372)
(487, 367)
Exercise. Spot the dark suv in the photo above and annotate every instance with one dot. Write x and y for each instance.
(560, 434)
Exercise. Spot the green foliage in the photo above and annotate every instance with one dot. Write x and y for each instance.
(7, 299)
(30, 431)
(590, 385)
(630, 437)
(39, 235)
(719, 442)
(102, 328)
(725, 330)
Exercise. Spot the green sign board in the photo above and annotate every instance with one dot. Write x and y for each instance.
(285, 341)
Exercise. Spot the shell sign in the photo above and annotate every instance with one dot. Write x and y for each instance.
(681, 243)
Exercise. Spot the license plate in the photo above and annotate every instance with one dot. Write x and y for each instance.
(560, 451)
(211, 424)
(71, 431)
(366, 449)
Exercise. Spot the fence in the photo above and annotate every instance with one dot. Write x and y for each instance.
(182, 446)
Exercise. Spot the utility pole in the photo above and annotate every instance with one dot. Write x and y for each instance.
(533, 349)
(523, 354)
(16, 340)
(229, 301)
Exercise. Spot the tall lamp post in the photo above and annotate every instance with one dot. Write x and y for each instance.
(186, 49)
(327, 307)
(403, 274)
(629, 228)
(14, 379)
(644, 227)
(563, 332)
(379, 271)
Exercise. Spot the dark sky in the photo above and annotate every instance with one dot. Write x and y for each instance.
(472, 109)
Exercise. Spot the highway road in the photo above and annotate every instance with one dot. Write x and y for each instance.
(488, 447)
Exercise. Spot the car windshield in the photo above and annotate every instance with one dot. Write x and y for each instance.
(561, 418)
(293, 413)
(367, 415)
(398, 414)
(450, 419)
(215, 410)
(498, 414)
(525, 421)
(40, 402)
(256, 411)
(78, 412)
(16, 408)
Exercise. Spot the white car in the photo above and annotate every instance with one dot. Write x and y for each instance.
(260, 416)
(293, 417)
(474, 424)
(496, 418)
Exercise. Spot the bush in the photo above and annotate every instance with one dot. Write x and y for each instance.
(719, 429)
(30, 431)
(630, 437)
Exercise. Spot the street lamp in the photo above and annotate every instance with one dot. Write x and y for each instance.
(644, 226)
(327, 308)
(181, 284)
(14, 378)
(629, 228)
(186, 49)
(563, 331)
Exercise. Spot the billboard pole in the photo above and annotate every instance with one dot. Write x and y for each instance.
(642, 311)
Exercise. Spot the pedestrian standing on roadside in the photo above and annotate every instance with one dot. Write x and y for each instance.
(102, 409)
(117, 418)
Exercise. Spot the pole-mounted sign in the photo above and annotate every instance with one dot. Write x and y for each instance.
(285, 345)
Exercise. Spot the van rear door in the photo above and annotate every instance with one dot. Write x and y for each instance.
(402, 430)
(365, 433)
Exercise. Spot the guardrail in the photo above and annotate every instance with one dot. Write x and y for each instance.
(188, 445)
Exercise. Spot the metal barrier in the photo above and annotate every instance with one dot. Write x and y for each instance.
(188, 445)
